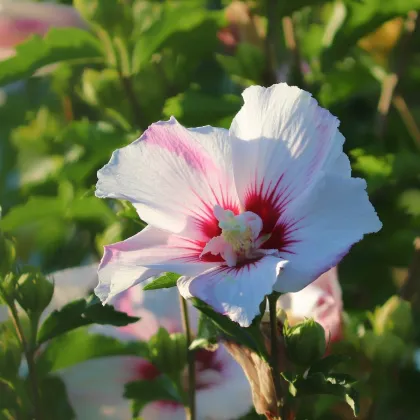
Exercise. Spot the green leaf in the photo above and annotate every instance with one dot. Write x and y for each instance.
(7, 252)
(10, 353)
(172, 19)
(328, 363)
(34, 210)
(145, 392)
(114, 16)
(102, 89)
(248, 63)
(376, 169)
(250, 337)
(54, 400)
(287, 8)
(168, 352)
(195, 108)
(410, 202)
(80, 345)
(339, 385)
(8, 394)
(58, 45)
(79, 313)
(353, 20)
(90, 208)
(163, 282)
(207, 334)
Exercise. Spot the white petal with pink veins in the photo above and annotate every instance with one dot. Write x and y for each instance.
(95, 388)
(284, 142)
(320, 300)
(326, 222)
(147, 254)
(236, 292)
(174, 176)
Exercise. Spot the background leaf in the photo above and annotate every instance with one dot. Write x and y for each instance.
(59, 45)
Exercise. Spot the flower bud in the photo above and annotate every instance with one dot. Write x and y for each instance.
(394, 316)
(34, 292)
(305, 342)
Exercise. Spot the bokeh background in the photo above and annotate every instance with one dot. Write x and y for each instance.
(80, 79)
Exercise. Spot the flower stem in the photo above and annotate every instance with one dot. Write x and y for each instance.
(190, 409)
(274, 354)
(29, 352)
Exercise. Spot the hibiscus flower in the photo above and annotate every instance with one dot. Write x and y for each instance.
(321, 300)
(95, 387)
(267, 205)
(21, 19)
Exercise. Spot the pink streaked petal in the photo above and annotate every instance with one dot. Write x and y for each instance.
(236, 292)
(320, 300)
(287, 141)
(147, 254)
(327, 221)
(230, 398)
(330, 305)
(95, 388)
(155, 308)
(21, 19)
(174, 177)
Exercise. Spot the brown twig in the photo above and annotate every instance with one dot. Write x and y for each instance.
(390, 83)
(401, 106)
(292, 46)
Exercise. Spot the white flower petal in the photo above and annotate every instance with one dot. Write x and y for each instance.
(148, 253)
(95, 388)
(326, 222)
(174, 177)
(231, 397)
(284, 142)
(72, 283)
(234, 291)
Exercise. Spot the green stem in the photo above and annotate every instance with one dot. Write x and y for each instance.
(275, 351)
(29, 351)
(132, 99)
(190, 409)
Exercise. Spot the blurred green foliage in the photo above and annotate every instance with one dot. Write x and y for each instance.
(71, 98)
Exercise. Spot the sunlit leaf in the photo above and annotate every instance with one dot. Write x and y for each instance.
(79, 313)
(62, 44)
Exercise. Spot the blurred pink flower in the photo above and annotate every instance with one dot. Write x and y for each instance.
(21, 19)
(95, 387)
(269, 204)
(321, 300)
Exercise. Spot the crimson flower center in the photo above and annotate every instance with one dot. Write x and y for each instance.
(240, 239)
